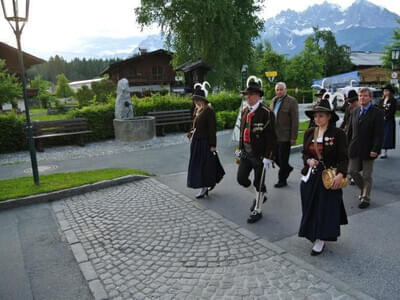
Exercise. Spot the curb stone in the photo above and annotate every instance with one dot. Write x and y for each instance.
(57, 195)
(89, 273)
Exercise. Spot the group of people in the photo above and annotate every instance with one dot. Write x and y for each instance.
(266, 136)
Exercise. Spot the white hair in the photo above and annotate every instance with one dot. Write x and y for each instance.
(282, 84)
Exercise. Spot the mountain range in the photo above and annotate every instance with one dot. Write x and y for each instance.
(363, 26)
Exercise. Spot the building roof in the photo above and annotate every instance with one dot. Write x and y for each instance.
(10, 55)
(193, 64)
(135, 58)
(366, 58)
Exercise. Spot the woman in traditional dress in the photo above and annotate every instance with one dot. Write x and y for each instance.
(388, 105)
(324, 146)
(202, 172)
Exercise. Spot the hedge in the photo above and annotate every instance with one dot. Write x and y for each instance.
(12, 133)
(100, 120)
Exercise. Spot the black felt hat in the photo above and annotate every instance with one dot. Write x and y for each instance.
(389, 87)
(253, 87)
(352, 96)
(199, 94)
(322, 106)
(321, 92)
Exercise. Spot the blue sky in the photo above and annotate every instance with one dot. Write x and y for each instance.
(57, 26)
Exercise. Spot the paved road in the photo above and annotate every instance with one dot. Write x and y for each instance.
(146, 241)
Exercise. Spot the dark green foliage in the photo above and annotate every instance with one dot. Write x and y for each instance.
(77, 69)
(10, 88)
(226, 119)
(100, 120)
(220, 32)
(84, 95)
(387, 58)
(12, 134)
(104, 90)
(63, 90)
(141, 106)
(225, 101)
(43, 86)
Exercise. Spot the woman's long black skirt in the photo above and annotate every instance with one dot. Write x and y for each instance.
(389, 135)
(202, 165)
(323, 210)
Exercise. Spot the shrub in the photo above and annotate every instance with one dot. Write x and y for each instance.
(100, 120)
(12, 133)
(225, 101)
(141, 106)
(226, 119)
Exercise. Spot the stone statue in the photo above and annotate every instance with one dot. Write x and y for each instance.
(123, 104)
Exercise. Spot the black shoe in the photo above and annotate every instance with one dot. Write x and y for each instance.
(254, 217)
(202, 195)
(211, 188)
(315, 253)
(363, 204)
(280, 184)
(254, 203)
(290, 170)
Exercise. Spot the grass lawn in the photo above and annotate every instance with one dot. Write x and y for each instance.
(303, 126)
(24, 186)
(49, 117)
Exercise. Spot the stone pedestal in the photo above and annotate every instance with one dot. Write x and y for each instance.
(136, 129)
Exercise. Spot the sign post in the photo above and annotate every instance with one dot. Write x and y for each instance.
(271, 75)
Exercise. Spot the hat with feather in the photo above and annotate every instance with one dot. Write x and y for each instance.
(253, 85)
(200, 92)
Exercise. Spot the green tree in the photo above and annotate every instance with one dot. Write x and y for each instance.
(84, 96)
(43, 87)
(10, 88)
(272, 61)
(387, 58)
(305, 66)
(335, 58)
(63, 90)
(220, 32)
(104, 90)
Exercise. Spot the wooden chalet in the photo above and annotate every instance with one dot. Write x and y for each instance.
(147, 71)
(10, 55)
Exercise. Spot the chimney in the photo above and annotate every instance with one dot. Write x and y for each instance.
(142, 51)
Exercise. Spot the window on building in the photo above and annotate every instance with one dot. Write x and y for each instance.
(157, 72)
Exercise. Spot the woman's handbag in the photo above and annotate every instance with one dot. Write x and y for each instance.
(327, 178)
(328, 174)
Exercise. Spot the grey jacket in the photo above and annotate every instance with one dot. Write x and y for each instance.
(287, 119)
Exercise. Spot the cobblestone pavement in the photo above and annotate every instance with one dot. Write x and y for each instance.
(102, 148)
(144, 240)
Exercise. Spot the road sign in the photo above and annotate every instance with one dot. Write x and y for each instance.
(394, 81)
(395, 75)
(271, 74)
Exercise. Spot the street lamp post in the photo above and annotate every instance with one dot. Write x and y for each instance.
(244, 76)
(16, 11)
(395, 55)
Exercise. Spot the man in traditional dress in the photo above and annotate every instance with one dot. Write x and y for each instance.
(256, 145)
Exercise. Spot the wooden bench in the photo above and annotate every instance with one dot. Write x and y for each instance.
(171, 117)
(59, 128)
